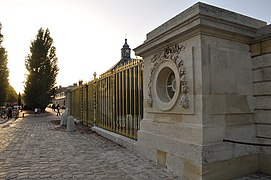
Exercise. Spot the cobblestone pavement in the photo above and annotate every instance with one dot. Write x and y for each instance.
(35, 148)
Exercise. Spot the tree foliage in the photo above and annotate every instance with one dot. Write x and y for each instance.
(4, 72)
(12, 96)
(41, 65)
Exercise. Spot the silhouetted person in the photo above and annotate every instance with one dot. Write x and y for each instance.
(9, 112)
(54, 107)
(58, 108)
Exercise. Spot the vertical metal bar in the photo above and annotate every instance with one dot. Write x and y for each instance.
(86, 104)
(116, 101)
(105, 104)
(134, 109)
(139, 89)
(94, 99)
(103, 84)
(112, 100)
(108, 103)
(123, 103)
(96, 103)
(131, 104)
(126, 101)
(141, 92)
(99, 102)
(120, 102)
(102, 102)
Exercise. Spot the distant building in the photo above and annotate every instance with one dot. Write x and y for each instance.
(60, 97)
(125, 56)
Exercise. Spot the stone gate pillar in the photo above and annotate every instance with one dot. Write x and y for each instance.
(67, 112)
(198, 93)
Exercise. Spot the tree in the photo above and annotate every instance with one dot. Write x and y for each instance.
(4, 72)
(19, 100)
(12, 96)
(42, 68)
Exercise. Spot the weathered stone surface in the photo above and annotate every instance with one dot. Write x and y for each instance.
(263, 116)
(262, 61)
(262, 74)
(64, 118)
(239, 166)
(66, 114)
(263, 102)
(70, 124)
(263, 130)
(262, 88)
(218, 88)
(209, 11)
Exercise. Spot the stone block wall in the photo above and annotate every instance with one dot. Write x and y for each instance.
(262, 94)
(223, 95)
(261, 71)
(229, 108)
(172, 137)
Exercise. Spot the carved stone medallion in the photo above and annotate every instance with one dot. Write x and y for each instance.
(170, 55)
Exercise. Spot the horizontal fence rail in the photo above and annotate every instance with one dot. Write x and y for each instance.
(114, 101)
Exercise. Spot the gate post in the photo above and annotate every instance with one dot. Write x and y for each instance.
(67, 112)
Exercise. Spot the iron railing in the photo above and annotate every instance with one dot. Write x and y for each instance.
(114, 101)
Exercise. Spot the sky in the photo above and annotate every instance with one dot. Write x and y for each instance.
(88, 34)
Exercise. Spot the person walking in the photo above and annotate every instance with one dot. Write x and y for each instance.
(36, 111)
(54, 107)
(9, 112)
(58, 109)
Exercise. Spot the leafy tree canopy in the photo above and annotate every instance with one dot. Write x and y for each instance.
(4, 72)
(41, 64)
(12, 96)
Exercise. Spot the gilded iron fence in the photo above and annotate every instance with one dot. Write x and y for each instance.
(114, 101)
(90, 103)
(75, 103)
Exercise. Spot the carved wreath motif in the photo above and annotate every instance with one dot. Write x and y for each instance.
(172, 54)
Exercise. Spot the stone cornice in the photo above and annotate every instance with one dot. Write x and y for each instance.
(206, 10)
(198, 19)
(264, 34)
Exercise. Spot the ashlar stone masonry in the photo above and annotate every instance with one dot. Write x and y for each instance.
(207, 87)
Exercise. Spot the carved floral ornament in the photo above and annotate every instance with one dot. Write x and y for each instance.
(172, 54)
